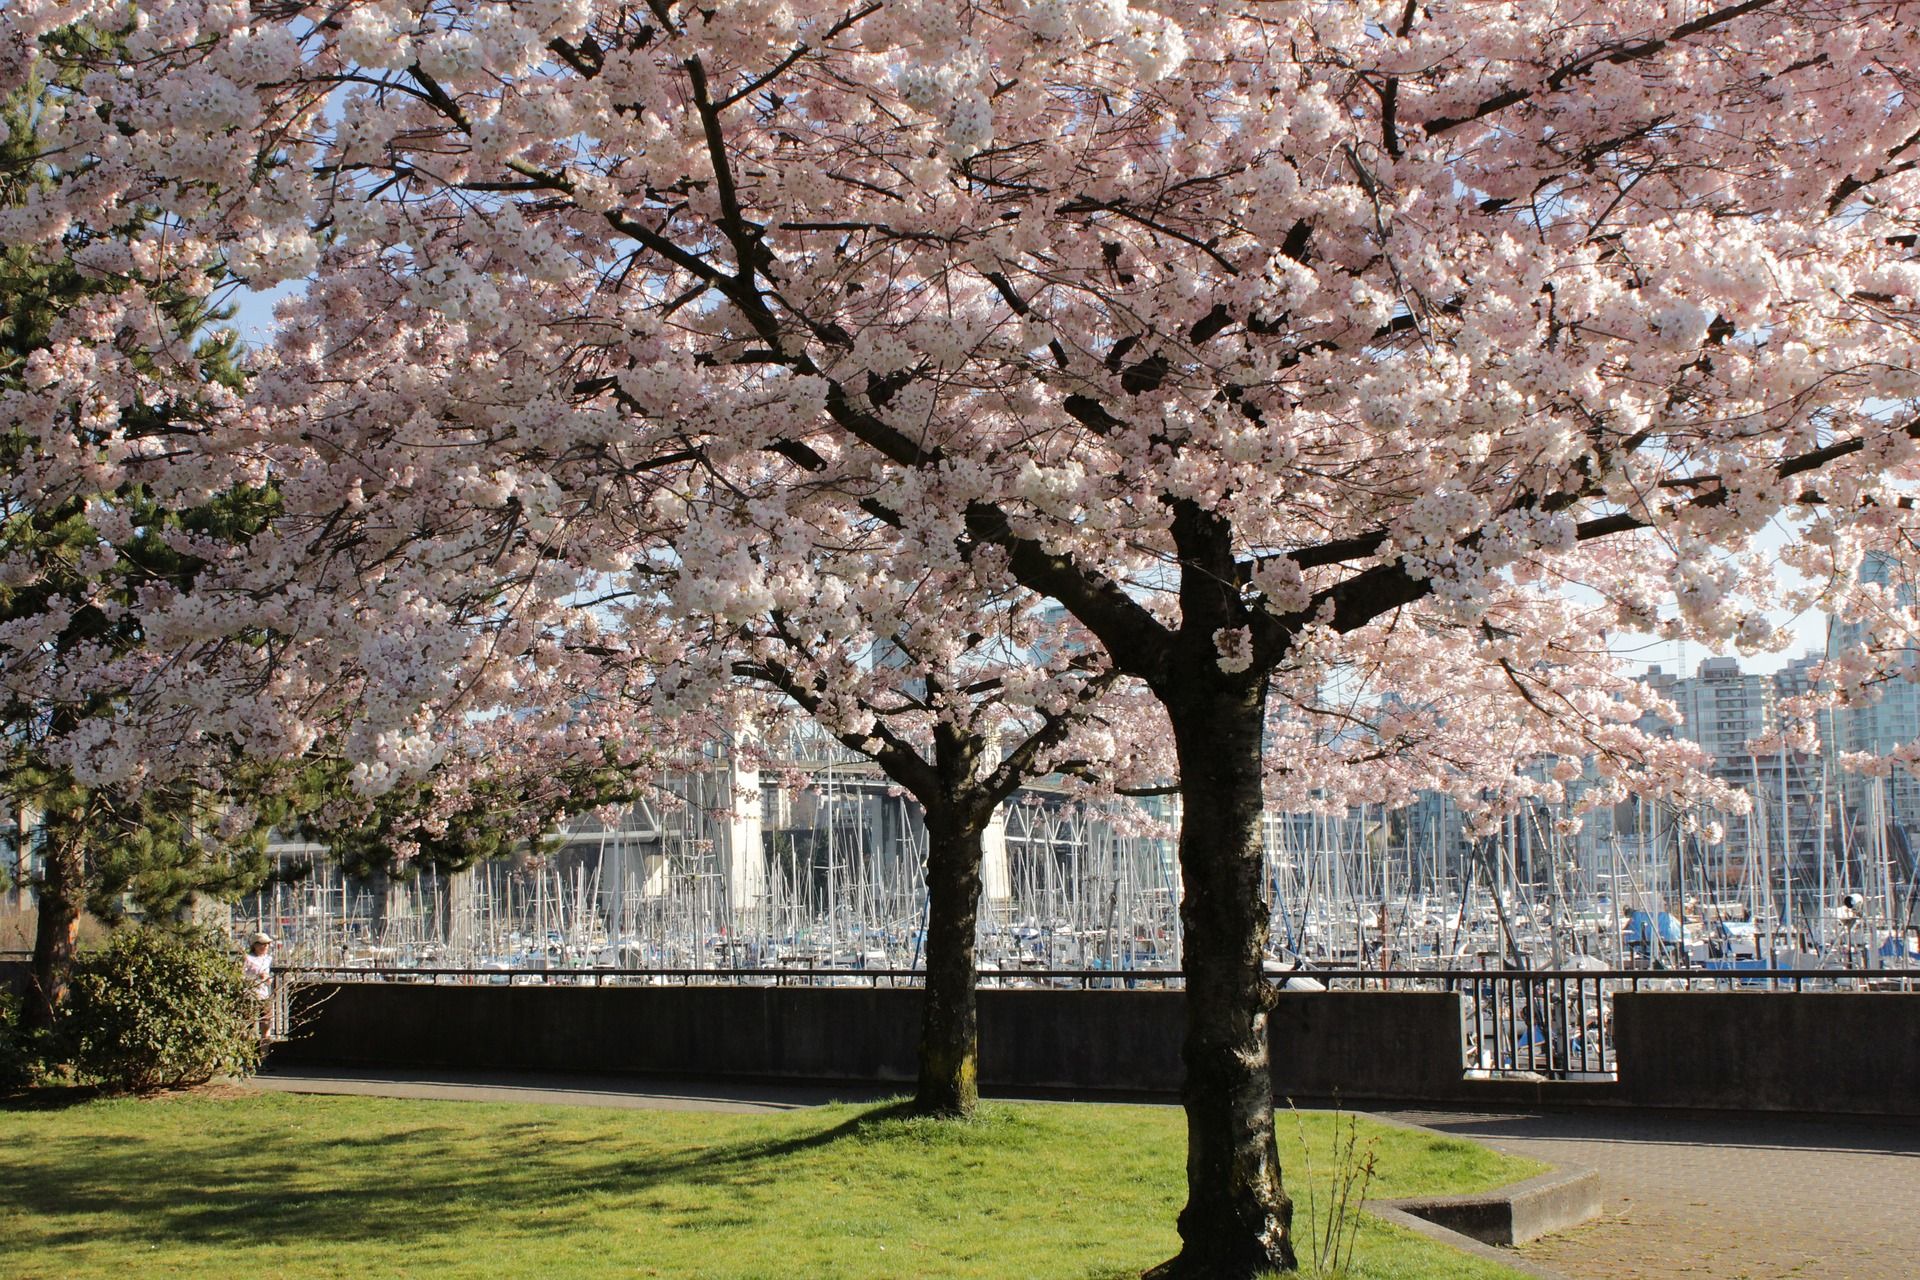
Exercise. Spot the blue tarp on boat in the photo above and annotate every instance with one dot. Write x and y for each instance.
(1642, 925)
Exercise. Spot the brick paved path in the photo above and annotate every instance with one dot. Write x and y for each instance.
(1731, 1198)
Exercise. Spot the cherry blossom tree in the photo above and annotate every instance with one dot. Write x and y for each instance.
(1250, 333)
(957, 683)
(673, 551)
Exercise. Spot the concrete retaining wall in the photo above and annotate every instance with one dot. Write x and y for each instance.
(1820, 1051)
(1775, 1051)
(1358, 1044)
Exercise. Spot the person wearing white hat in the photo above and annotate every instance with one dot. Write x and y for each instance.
(258, 963)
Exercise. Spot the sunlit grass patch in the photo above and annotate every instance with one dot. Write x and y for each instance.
(277, 1185)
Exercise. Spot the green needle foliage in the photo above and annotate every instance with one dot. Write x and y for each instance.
(148, 849)
(495, 818)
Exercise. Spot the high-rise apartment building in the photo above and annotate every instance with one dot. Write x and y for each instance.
(1724, 709)
(1891, 719)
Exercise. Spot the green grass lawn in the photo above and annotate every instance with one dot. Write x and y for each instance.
(261, 1185)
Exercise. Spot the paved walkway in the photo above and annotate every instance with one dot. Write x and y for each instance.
(1727, 1197)
(625, 1092)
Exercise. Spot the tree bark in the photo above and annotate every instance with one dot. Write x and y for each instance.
(949, 1023)
(1237, 1219)
(62, 894)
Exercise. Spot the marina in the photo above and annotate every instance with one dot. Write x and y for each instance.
(733, 868)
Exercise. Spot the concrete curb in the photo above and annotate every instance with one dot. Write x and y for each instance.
(1480, 1224)
(1548, 1202)
(1386, 1212)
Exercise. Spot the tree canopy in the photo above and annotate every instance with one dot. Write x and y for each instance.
(1292, 348)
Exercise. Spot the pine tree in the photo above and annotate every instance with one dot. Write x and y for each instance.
(152, 849)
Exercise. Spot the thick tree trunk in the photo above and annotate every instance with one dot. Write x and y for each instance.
(1237, 1217)
(949, 1023)
(62, 893)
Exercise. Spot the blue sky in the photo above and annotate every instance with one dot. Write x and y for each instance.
(253, 317)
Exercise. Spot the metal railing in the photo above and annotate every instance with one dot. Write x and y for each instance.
(780, 976)
(279, 1011)
(1349, 979)
(1688, 979)
(1555, 1025)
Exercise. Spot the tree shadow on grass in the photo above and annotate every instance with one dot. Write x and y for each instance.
(49, 1097)
(417, 1185)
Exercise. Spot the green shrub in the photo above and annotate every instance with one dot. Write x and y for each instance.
(22, 1052)
(160, 1010)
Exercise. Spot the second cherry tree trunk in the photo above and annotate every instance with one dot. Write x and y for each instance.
(949, 1026)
